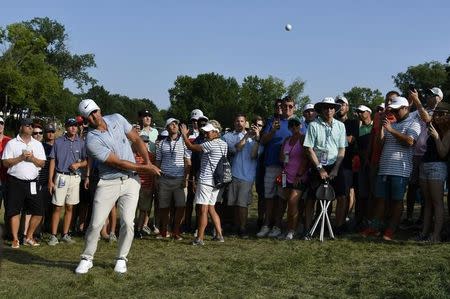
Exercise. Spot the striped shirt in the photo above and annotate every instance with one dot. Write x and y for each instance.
(213, 150)
(396, 158)
(171, 154)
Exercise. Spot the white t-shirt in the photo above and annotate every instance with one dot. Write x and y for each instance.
(24, 170)
(213, 150)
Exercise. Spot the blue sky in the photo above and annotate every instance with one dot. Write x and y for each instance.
(142, 46)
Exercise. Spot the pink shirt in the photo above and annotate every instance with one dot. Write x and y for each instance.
(294, 152)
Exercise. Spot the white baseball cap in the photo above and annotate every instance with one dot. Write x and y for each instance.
(398, 102)
(437, 91)
(363, 108)
(86, 106)
(380, 105)
(209, 127)
(342, 99)
(164, 133)
(308, 107)
(1, 119)
(197, 114)
(171, 120)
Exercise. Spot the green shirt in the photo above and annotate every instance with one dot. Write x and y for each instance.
(152, 136)
(325, 140)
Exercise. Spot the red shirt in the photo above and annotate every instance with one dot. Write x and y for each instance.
(377, 147)
(146, 178)
(3, 169)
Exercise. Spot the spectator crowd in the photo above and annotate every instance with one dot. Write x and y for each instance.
(166, 183)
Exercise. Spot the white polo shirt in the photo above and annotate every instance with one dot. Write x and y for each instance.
(24, 170)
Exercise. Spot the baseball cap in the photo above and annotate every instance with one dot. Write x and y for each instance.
(1, 119)
(209, 127)
(381, 106)
(197, 114)
(341, 99)
(50, 128)
(144, 112)
(71, 122)
(398, 102)
(164, 133)
(26, 122)
(308, 107)
(86, 107)
(437, 91)
(363, 108)
(171, 120)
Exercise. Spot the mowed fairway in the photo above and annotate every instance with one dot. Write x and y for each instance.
(348, 267)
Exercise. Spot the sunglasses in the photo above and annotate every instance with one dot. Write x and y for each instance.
(38, 133)
(288, 106)
(259, 125)
(328, 107)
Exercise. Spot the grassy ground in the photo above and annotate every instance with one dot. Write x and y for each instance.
(348, 267)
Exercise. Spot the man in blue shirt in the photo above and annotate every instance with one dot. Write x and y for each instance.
(272, 138)
(109, 143)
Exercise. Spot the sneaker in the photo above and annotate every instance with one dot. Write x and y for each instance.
(290, 235)
(84, 266)
(138, 234)
(422, 238)
(307, 237)
(196, 233)
(66, 238)
(274, 233)
(112, 238)
(31, 242)
(146, 230)
(198, 242)
(177, 237)
(15, 244)
(369, 232)
(265, 230)
(388, 234)
(53, 240)
(219, 239)
(121, 266)
(155, 230)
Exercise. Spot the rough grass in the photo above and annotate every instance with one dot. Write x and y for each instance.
(350, 267)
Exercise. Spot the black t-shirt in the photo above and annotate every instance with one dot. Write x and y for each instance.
(351, 129)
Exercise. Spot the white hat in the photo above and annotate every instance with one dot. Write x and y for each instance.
(209, 127)
(342, 99)
(197, 114)
(398, 102)
(363, 108)
(164, 133)
(437, 91)
(171, 120)
(86, 106)
(308, 107)
(1, 119)
(380, 105)
(328, 101)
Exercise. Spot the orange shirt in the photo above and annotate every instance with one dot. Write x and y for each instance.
(146, 178)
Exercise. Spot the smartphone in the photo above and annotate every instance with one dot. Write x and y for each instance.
(411, 87)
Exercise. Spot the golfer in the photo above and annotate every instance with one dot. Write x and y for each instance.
(108, 142)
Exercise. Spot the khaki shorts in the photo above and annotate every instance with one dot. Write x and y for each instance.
(240, 193)
(145, 199)
(67, 190)
(171, 189)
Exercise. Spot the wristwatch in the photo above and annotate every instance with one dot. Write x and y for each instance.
(319, 167)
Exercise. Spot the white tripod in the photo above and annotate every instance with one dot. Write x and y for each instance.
(323, 216)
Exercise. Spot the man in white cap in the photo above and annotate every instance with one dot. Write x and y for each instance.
(395, 167)
(108, 143)
(196, 116)
(174, 159)
(309, 115)
(325, 144)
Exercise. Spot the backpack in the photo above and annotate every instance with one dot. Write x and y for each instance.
(222, 174)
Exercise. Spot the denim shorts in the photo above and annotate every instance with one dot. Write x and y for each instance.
(391, 187)
(435, 171)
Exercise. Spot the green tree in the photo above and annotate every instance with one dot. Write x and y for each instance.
(364, 96)
(423, 76)
(70, 66)
(295, 91)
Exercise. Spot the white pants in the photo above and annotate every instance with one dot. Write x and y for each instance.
(126, 193)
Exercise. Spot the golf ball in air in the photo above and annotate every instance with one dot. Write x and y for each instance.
(288, 27)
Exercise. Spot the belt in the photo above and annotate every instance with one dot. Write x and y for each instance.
(67, 173)
(170, 176)
(125, 177)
